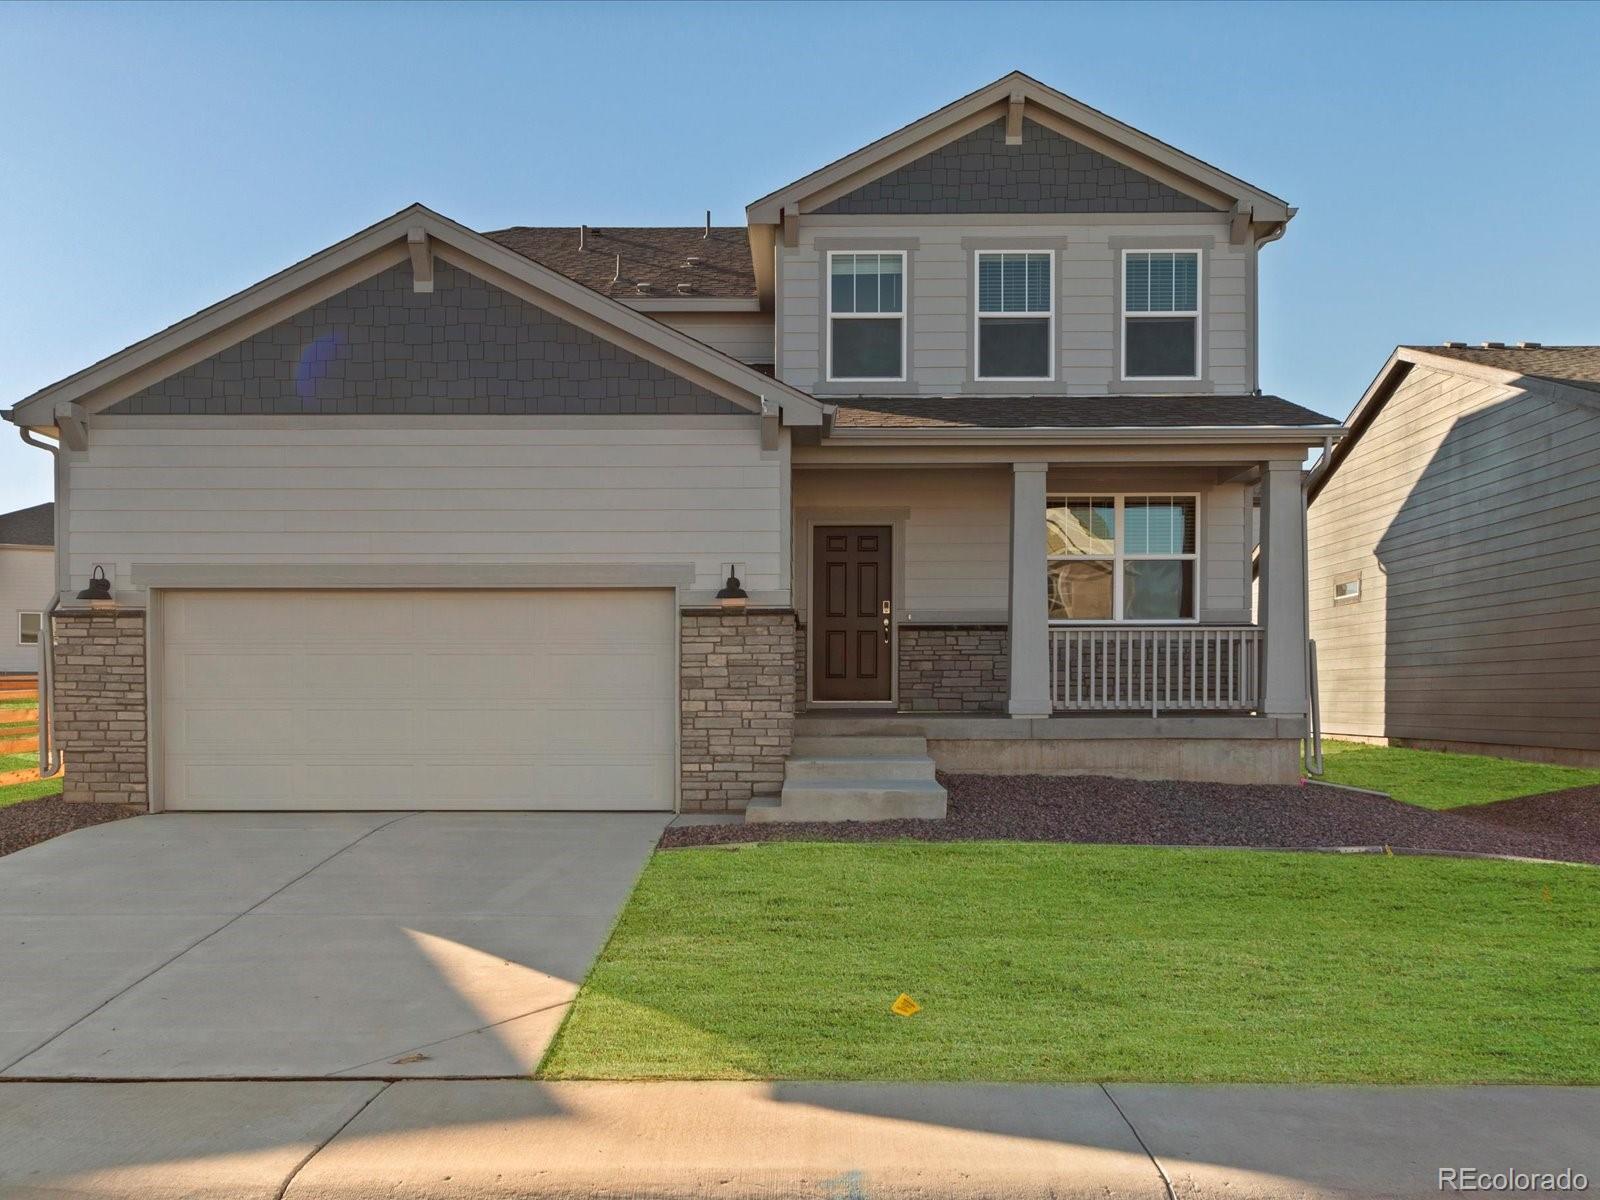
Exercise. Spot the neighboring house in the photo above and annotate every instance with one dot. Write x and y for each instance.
(27, 581)
(1455, 554)
(438, 518)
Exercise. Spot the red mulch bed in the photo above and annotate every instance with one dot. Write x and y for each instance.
(1055, 808)
(34, 821)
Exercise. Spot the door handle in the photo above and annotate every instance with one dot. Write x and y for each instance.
(886, 612)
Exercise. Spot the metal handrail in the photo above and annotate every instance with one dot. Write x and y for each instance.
(1109, 668)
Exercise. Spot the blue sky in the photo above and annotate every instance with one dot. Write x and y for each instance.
(155, 159)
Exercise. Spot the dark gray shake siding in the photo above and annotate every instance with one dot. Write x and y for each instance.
(979, 173)
(465, 349)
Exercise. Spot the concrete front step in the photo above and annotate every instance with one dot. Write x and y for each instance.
(833, 746)
(853, 800)
(821, 770)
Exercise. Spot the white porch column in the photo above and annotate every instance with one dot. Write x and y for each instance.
(1283, 590)
(1029, 609)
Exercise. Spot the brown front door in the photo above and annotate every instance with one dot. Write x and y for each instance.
(852, 569)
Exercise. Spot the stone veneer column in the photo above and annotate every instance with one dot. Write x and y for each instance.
(737, 689)
(100, 705)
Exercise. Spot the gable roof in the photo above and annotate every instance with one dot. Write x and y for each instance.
(1578, 366)
(657, 255)
(34, 526)
(1045, 106)
(386, 244)
(1565, 373)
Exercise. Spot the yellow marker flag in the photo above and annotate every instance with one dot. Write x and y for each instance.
(905, 1006)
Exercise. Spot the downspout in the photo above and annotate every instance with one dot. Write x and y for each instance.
(1313, 748)
(49, 756)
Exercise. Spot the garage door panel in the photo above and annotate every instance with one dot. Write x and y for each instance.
(195, 730)
(506, 674)
(608, 673)
(482, 730)
(408, 700)
(220, 673)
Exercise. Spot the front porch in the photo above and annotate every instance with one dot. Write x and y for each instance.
(1051, 589)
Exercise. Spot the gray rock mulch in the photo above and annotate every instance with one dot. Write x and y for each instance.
(1573, 814)
(34, 821)
(1053, 808)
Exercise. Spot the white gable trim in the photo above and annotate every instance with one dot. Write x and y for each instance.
(367, 253)
(1042, 104)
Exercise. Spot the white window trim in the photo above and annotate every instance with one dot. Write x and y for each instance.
(39, 627)
(827, 284)
(1353, 594)
(1118, 556)
(978, 315)
(1197, 313)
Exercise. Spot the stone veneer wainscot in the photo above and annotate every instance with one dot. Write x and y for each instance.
(953, 668)
(737, 679)
(100, 705)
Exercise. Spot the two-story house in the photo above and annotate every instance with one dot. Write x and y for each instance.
(947, 456)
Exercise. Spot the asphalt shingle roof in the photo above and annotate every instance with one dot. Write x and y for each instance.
(657, 255)
(1576, 365)
(34, 526)
(1073, 412)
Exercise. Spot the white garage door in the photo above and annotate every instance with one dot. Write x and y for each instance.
(424, 699)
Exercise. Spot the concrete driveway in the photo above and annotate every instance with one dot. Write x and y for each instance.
(206, 946)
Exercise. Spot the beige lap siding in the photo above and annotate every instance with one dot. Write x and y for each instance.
(100, 705)
(737, 674)
(953, 668)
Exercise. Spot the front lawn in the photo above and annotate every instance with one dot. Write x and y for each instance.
(1432, 779)
(1046, 962)
(33, 789)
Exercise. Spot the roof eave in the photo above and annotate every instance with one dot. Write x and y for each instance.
(1310, 435)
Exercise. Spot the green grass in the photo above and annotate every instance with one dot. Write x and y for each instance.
(16, 793)
(8, 703)
(1432, 779)
(1066, 962)
(18, 762)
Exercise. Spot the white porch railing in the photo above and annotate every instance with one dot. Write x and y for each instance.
(1102, 668)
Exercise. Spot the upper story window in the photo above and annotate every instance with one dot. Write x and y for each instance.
(1161, 314)
(1122, 558)
(866, 316)
(1016, 314)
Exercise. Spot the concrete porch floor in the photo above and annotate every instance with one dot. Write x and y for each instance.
(1196, 747)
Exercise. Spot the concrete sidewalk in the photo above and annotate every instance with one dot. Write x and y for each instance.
(337, 1140)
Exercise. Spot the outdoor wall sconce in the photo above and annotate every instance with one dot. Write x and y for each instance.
(98, 593)
(732, 595)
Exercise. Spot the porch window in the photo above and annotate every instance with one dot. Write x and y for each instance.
(1122, 558)
(1161, 314)
(1016, 314)
(866, 316)
(28, 625)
